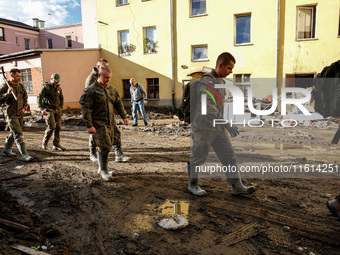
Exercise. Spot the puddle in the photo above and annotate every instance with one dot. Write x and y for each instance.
(171, 207)
(153, 213)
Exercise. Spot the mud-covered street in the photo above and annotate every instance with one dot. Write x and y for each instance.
(68, 209)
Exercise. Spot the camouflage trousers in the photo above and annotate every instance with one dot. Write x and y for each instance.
(116, 138)
(103, 138)
(203, 140)
(53, 122)
(15, 124)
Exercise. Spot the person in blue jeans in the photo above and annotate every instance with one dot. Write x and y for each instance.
(138, 98)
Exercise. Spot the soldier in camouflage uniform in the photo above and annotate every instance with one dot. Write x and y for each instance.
(205, 136)
(14, 111)
(117, 144)
(99, 102)
(50, 102)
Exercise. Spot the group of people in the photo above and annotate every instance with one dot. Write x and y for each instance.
(100, 102)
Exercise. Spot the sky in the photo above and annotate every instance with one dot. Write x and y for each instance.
(53, 12)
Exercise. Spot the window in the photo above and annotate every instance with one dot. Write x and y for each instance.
(26, 80)
(2, 34)
(17, 41)
(122, 2)
(153, 87)
(49, 43)
(199, 53)
(243, 28)
(68, 41)
(243, 81)
(27, 44)
(36, 44)
(197, 7)
(124, 43)
(150, 40)
(306, 22)
(126, 88)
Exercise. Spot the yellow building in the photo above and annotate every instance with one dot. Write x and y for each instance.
(161, 42)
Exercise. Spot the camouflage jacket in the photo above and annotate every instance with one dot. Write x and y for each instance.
(99, 104)
(214, 102)
(92, 77)
(12, 107)
(50, 97)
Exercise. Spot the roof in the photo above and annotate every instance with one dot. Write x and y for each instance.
(62, 26)
(17, 24)
(33, 52)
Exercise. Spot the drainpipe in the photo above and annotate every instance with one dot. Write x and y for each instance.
(277, 41)
(172, 56)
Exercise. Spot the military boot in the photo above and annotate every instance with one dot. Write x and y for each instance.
(120, 156)
(8, 148)
(102, 170)
(193, 183)
(334, 207)
(237, 187)
(93, 152)
(22, 149)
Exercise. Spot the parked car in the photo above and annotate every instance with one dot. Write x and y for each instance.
(27, 116)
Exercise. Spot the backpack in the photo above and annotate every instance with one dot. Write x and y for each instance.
(326, 91)
(184, 109)
(189, 89)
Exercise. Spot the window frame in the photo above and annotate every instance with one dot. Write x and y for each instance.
(2, 38)
(27, 43)
(191, 15)
(124, 53)
(154, 48)
(117, 3)
(243, 84)
(67, 41)
(153, 86)
(126, 88)
(240, 15)
(48, 44)
(193, 47)
(27, 73)
(313, 22)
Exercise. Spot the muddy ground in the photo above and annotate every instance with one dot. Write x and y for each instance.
(68, 209)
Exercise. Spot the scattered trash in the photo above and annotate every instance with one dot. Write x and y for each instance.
(135, 235)
(174, 222)
(19, 167)
(299, 133)
(286, 227)
(327, 195)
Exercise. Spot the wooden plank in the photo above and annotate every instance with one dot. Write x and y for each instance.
(28, 250)
(336, 137)
(13, 225)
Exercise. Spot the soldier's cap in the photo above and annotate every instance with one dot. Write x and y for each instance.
(55, 77)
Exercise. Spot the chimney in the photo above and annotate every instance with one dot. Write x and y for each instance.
(35, 22)
(41, 24)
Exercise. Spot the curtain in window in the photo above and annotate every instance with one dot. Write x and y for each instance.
(124, 38)
(198, 7)
(305, 23)
(151, 33)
